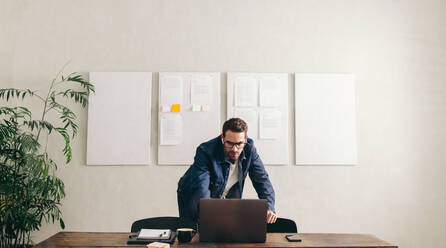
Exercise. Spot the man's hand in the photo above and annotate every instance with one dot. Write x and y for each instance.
(271, 217)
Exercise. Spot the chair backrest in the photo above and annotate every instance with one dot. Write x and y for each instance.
(167, 222)
(282, 225)
(155, 223)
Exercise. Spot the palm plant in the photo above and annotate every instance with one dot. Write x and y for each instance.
(30, 191)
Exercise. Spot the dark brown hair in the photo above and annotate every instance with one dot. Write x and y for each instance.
(236, 125)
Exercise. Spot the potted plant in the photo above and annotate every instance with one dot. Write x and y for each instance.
(30, 191)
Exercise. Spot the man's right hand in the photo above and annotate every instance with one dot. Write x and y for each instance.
(271, 217)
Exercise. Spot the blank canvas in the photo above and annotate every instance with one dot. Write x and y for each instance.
(119, 118)
(325, 118)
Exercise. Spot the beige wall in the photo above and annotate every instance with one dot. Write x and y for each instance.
(397, 50)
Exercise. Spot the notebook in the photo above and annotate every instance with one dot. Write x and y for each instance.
(146, 236)
(154, 234)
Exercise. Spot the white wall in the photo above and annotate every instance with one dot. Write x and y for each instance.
(397, 50)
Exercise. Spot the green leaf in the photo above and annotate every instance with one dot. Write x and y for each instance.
(77, 78)
(62, 224)
(46, 167)
(67, 149)
(11, 92)
(52, 96)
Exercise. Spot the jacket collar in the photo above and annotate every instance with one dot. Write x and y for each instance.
(219, 151)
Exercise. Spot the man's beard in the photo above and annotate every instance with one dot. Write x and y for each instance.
(228, 156)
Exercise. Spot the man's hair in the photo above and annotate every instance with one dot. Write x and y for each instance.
(235, 125)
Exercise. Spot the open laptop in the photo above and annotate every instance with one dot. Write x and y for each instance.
(233, 220)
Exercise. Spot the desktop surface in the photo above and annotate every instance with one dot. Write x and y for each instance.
(313, 240)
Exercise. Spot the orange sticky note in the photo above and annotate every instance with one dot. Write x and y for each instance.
(158, 245)
(175, 107)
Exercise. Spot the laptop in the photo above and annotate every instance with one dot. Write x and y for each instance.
(233, 220)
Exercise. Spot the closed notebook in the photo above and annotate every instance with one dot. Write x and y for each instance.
(146, 236)
(154, 234)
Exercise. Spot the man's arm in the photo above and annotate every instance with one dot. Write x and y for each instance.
(201, 169)
(262, 184)
(194, 186)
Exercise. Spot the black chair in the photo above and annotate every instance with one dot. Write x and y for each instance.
(282, 225)
(172, 223)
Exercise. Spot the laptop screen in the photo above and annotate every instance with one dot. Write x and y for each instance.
(233, 220)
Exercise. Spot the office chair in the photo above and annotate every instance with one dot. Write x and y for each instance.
(282, 225)
(172, 223)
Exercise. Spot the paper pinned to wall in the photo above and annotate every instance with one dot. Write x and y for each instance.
(201, 89)
(250, 117)
(165, 108)
(270, 123)
(270, 92)
(196, 108)
(274, 137)
(245, 91)
(206, 108)
(171, 90)
(171, 129)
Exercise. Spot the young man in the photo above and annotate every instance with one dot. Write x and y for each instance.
(219, 171)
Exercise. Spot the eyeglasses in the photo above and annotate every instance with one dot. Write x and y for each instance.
(229, 144)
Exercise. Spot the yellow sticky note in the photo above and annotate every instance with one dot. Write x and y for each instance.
(175, 107)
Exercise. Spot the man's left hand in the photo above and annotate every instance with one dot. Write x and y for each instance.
(271, 217)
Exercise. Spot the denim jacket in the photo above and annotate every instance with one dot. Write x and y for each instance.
(208, 175)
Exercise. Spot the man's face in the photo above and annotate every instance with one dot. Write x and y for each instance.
(233, 144)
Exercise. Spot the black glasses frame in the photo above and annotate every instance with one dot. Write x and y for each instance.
(229, 144)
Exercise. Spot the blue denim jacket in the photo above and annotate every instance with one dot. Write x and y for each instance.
(208, 175)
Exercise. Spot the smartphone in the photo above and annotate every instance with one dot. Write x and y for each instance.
(293, 238)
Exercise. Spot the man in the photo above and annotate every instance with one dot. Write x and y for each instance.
(219, 171)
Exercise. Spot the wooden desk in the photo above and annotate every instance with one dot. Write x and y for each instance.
(313, 240)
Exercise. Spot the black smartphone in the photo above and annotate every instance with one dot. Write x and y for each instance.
(293, 238)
